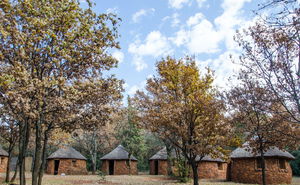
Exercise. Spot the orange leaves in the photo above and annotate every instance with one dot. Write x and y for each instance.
(181, 106)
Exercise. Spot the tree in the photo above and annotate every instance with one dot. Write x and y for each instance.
(250, 104)
(182, 106)
(131, 136)
(10, 134)
(52, 56)
(97, 141)
(295, 164)
(271, 54)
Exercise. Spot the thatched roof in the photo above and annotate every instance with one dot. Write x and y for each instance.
(210, 159)
(160, 155)
(3, 152)
(245, 152)
(66, 153)
(118, 153)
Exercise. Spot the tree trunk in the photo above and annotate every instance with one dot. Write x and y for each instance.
(263, 167)
(8, 164)
(42, 167)
(94, 155)
(195, 172)
(37, 154)
(15, 173)
(169, 161)
(129, 163)
(24, 130)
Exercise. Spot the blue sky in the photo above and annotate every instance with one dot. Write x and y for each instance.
(152, 29)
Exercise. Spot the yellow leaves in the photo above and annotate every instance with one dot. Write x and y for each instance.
(6, 80)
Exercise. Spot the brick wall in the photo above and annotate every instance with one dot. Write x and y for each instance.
(246, 171)
(212, 170)
(162, 167)
(68, 167)
(3, 164)
(120, 167)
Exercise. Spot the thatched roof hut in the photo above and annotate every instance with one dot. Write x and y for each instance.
(245, 167)
(212, 168)
(243, 152)
(3, 152)
(158, 163)
(117, 162)
(68, 161)
(3, 160)
(208, 168)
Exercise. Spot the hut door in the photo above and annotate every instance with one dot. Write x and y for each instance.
(56, 166)
(229, 171)
(111, 167)
(156, 167)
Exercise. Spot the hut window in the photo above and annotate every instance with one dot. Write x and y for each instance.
(220, 166)
(258, 163)
(282, 164)
(1, 160)
(74, 162)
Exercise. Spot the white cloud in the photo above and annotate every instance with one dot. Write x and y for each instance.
(201, 3)
(155, 45)
(125, 85)
(139, 63)
(195, 19)
(113, 10)
(230, 20)
(199, 35)
(175, 21)
(180, 37)
(136, 17)
(177, 4)
(203, 38)
(119, 56)
(223, 67)
(132, 90)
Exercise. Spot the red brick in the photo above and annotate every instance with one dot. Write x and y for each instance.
(244, 170)
(3, 163)
(120, 167)
(68, 167)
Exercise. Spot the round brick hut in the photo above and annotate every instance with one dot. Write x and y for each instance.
(68, 161)
(245, 166)
(117, 162)
(158, 163)
(212, 168)
(3, 160)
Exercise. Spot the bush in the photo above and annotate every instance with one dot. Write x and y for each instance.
(295, 164)
(102, 175)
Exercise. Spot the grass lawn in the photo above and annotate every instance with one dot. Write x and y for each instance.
(123, 179)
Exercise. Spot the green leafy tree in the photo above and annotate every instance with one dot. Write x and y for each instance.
(295, 164)
(132, 138)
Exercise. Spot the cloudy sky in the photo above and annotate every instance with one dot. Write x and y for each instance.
(152, 29)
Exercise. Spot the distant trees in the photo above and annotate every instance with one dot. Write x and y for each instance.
(52, 56)
(132, 137)
(9, 133)
(182, 106)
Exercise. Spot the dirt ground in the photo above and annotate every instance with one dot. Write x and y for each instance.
(123, 180)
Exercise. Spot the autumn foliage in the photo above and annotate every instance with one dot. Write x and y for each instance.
(181, 105)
